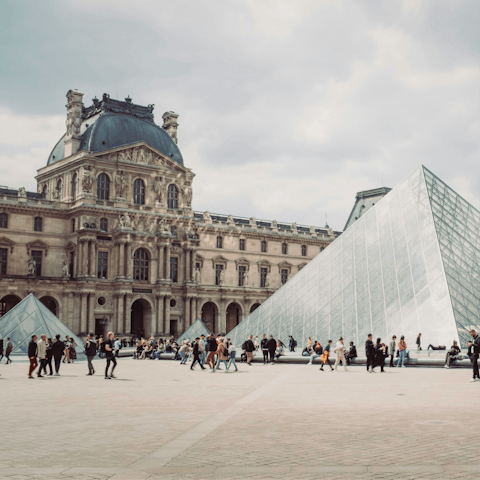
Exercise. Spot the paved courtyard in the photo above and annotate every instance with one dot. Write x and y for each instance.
(159, 420)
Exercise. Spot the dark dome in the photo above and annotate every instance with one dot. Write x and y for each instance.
(109, 130)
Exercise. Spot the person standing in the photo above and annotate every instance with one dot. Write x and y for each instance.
(402, 352)
(256, 343)
(232, 353)
(271, 345)
(222, 354)
(352, 353)
(211, 348)
(66, 345)
(196, 354)
(118, 346)
(379, 350)
(264, 348)
(58, 349)
(370, 353)
(49, 356)
(474, 347)
(392, 349)
(419, 341)
(8, 350)
(340, 351)
(201, 352)
(291, 344)
(109, 347)
(249, 348)
(42, 354)
(32, 355)
(324, 358)
(90, 352)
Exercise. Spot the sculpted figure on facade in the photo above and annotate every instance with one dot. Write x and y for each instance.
(65, 272)
(163, 227)
(188, 193)
(274, 224)
(159, 189)
(221, 277)
(330, 231)
(22, 192)
(87, 178)
(125, 155)
(312, 229)
(230, 219)
(245, 279)
(32, 264)
(125, 221)
(56, 193)
(252, 222)
(206, 217)
(121, 184)
(294, 227)
(198, 276)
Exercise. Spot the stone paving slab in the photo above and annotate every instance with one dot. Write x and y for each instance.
(159, 420)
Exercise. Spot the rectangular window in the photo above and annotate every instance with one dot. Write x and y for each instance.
(284, 276)
(304, 250)
(3, 220)
(263, 277)
(174, 269)
(73, 225)
(218, 274)
(284, 248)
(197, 265)
(37, 256)
(264, 246)
(102, 264)
(38, 224)
(242, 244)
(3, 261)
(241, 275)
(219, 242)
(70, 265)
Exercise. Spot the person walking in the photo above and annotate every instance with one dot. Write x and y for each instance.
(291, 344)
(109, 347)
(32, 355)
(249, 348)
(222, 354)
(90, 352)
(370, 353)
(232, 353)
(66, 345)
(379, 350)
(402, 352)
(340, 351)
(118, 346)
(49, 357)
(271, 345)
(419, 342)
(58, 349)
(316, 353)
(324, 358)
(201, 352)
(352, 353)
(256, 343)
(211, 348)
(264, 348)
(196, 355)
(183, 351)
(474, 347)
(42, 354)
(8, 350)
(392, 349)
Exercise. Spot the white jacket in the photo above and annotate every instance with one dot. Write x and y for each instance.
(340, 349)
(41, 349)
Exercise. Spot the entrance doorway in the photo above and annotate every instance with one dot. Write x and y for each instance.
(51, 304)
(141, 317)
(99, 328)
(174, 328)
(210, 315)
(234, 316)
(254, 307)
(7, 303)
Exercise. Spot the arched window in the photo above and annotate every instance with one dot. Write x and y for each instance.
(219, 242)
(304, 250)
(140, 265)
(172, 198)
(45, 191)
(138, 192)
(264, 246)
(74, 186)
(284, 248)
(103, 186)
(60, 189)
(104, 224)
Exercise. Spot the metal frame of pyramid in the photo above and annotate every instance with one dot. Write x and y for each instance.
(30, 317)
(410, 265)
(196, 329)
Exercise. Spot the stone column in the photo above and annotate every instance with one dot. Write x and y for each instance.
(167, 264)
(186, 313)
(128, 259)
(91, 266)
(79, 259)
(76, 314)
(161, 267)
(85, 258)
(121, 260)
(91, 316)
(83, 312)
(193, 311)
(167, 313)
(127, 314)
(193, 254)
(120, 323)
(222, 318)
(160, 310)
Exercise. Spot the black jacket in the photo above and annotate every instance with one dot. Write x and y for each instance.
(196, 350)
(263, 344)
(353, 352)
(32, 349)
(212, 345)
(476, 345)
(369, 348)
(271, 345)
(250, 346)
(58, 348)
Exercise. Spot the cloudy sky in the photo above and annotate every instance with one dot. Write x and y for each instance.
(287, 108)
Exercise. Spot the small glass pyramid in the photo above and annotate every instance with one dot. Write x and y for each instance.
(410, 265)
(30, 317)
(196, 329)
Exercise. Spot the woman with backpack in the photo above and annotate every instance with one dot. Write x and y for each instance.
(222, 352)
(232, 353)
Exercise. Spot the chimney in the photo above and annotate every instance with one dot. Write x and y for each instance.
(74, 121)
(170, 124)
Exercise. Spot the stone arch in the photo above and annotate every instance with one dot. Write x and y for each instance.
(233, 315)
(209, 315)
(51, 303)
(8, 302)
(254, 306)
(141, 315)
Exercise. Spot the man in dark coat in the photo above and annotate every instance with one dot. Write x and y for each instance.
(263, 346)
(370, 352)
(271, 345)
(249, 348)
(57, 349)
(474, 352)
(196, 354)
(32, 355)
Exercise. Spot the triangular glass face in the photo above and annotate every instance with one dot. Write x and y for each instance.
(457, 224)
(30, 317)
(196, 329)
(384, 275)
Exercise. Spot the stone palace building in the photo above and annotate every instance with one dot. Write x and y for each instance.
(110, 240)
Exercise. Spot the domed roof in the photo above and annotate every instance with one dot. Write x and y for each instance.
(110, 123)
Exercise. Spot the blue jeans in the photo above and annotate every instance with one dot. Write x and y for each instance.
(402, 354)
(313, 357)
(232, 361)
(219, 362)
(184, 358)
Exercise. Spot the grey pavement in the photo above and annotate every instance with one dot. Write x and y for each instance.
(159, 420)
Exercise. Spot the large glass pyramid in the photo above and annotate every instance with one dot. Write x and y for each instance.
(196, 329)
(30, 317)
(411, 264)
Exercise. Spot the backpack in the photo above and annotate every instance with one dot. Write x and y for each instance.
(244, 345)
(102, 347)
(294, 343)
(91, 350)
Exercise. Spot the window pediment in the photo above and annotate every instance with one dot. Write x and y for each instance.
(301, 266)
(6, 242)
(243, 262)
(264, 264)
(219, 260)
(37, 245)
(285, 266)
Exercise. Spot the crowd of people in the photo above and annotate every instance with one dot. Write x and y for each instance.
(214, 351)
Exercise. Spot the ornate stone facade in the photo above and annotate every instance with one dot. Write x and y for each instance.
(112, 234)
